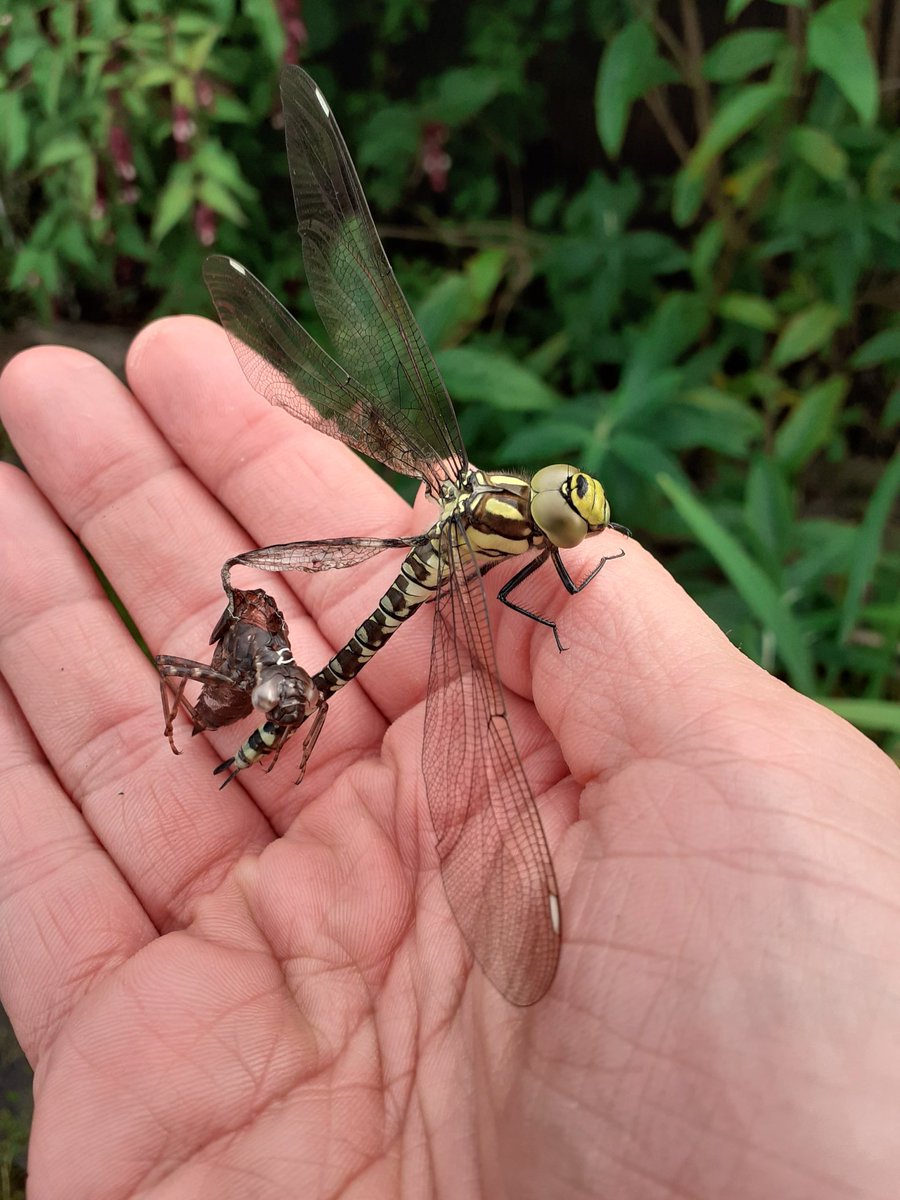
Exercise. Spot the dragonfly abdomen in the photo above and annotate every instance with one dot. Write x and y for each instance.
(415, 584)
(261, 741)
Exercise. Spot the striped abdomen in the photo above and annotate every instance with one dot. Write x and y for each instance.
(495, 514)
(416, 583)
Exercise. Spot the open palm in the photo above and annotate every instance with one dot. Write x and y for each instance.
(261, 992)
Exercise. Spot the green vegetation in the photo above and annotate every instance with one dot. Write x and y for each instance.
(15, 1117)
(667, 253)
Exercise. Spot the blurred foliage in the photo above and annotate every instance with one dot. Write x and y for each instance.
(15, 1116)
(658, 240)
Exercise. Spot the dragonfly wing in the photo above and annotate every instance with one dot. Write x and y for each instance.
(495, 862)
(372, 329)
(292, 371)
(328, 555)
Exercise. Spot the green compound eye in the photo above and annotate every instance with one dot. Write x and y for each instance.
(587, 496)
(566, 505)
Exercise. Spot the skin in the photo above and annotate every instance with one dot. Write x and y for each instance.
(261, 992)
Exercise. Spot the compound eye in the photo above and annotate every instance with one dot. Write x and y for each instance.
(552, 509)
(588, 497)
(267, 695)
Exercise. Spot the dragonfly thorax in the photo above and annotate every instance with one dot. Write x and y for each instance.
(567, 505)
(285, 696)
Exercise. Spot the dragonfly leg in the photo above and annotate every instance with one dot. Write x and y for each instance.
(512, 584)
(310, 740)
(569, 583)
(173, 696)
(277, 749)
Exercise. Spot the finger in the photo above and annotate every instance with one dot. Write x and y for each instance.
(641, 659)
(283, 481)
(91, 698)
(155, 531)
(67, 915)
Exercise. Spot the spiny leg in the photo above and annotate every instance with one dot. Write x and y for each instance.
(568, 583)
(172, 698)
(310, 740)
(182, 669)
(512, 584)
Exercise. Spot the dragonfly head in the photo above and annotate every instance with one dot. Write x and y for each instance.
(567, 505)
(286, 699)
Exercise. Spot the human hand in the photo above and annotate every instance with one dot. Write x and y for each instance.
(262, 992)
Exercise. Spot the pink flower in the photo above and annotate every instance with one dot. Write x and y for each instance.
(435, 160)
(204, 91)
(205, 223)
(296, 35)
(120, 149)
(183, 127)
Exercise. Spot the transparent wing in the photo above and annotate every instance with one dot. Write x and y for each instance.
(494, 858)
(390, 401)
(374, 333)
(328, 555)
(291, 370)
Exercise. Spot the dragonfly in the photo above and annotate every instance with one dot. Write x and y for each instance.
(252, 667)
(381, 394)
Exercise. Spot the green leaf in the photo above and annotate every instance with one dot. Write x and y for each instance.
(220, 200)
(823, 549)
(883, 175)
(768, 511)
(744, 184)
(219, 164)
(737, 116)
(35, 269)
(708, 245)
(836, 44)
(820, 151)
(501, 382)
(459, 301)
(175, 203)
(462, 93)
(192, 24)
(740, 54)
(104, 15)
(544, 441)
(73, 246)
(264, 16)
(734, 8)
(483, 273)
(22, 50)
(630, 68)
(883, 347)
(804, 333)
(751, 582)
(867, 544)
(883, 716)
(715, 419)
(749, 309)
(812, 423)
(646, 458)
(156, 75)
(230, 109)
(198, 53)
(14, 129)
(688, 196)
(47, 72)
(63, 149)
